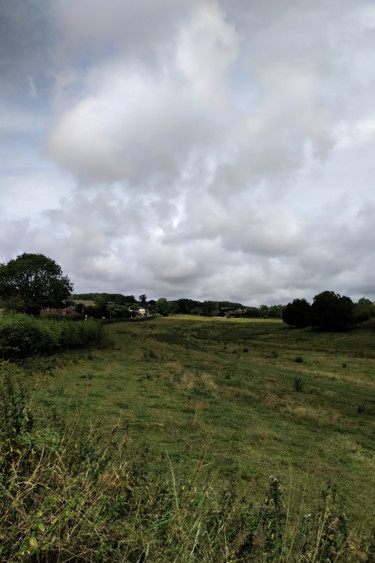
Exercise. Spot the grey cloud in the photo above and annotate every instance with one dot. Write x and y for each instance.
(202, 149)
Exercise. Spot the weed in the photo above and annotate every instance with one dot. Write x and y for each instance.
(68, 496)
(298, 384)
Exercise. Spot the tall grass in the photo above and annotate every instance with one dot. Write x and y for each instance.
(95, 497)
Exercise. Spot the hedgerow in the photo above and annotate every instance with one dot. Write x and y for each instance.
(23, 335)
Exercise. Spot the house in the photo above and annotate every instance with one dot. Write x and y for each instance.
(58, 311)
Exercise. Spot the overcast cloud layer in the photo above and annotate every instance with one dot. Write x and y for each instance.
(191, 148)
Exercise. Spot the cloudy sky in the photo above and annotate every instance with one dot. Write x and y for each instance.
(212, 149)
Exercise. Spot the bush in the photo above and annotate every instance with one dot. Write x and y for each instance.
(22, 335)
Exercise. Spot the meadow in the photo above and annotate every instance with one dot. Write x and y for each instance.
(245, 400)
(252, 399)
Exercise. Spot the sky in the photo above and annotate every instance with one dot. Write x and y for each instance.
(210, 149)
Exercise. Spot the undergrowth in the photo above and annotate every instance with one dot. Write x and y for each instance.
(95, 497)
(23, 335)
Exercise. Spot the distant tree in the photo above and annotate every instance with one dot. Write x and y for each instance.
(34, 281)
(97, 312)
(163, 307)
(264, 310)
(118, 299)
(209, 307)
(297, 313)
(130, 299)
(185, 306)
(196, 311)
(332, 312)
(276, 311)
(364, 310)
(252, 313)
(143, 299)
(101, 300)
(80, 308)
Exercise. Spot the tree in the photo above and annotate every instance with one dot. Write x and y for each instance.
(163, 307)
(364, 310)
(35, 281)
(276, 311)
(332, 312)
(297, 313)
(252, 313)
(143, 299)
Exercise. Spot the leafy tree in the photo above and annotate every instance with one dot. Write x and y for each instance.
(209, 307)
(276, 311)
(35, 281)
(185, 306)
(264, 310)
(80, 308)
(252, 313)
(143, 299)
(297, 313)
(332, 312)
(101, 300)
(364, 310)
(163, 307)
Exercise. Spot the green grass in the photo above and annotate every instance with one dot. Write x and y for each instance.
(85, 302)
(223, 392)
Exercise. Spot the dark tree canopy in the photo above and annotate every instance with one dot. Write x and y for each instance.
(297, 313)
(34, 281)
(332, 312)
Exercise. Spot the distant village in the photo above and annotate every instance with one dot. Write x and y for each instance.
(103, 305)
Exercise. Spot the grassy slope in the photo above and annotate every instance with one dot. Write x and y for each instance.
(224, 392)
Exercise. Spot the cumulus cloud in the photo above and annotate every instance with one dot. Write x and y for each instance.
(206, 149)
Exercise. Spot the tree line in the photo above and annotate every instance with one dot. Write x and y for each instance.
(32, 282)
(117, 304)
(329, 311)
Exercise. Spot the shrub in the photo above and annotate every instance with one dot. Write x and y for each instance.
(22, 335)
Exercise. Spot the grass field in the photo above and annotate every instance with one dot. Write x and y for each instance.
(249, 399)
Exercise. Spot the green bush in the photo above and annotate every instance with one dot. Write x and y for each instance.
(22, 335)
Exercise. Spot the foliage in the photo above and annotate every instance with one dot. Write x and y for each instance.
(252, 313)
(332, 312)
(22, 335)
(163, 307)
(297, 313)
(364, 310)
(33, 281)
